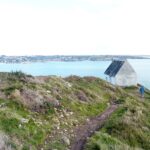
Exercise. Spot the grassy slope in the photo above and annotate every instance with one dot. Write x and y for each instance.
(31, 118)
(127, 128)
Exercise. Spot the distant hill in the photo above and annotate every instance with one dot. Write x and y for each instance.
(25, 59)
(44, 112)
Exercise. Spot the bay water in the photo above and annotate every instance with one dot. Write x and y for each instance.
(79, 68)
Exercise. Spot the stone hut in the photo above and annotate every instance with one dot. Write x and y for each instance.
(121, 73)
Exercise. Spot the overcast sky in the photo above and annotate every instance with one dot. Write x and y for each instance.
(48, 27)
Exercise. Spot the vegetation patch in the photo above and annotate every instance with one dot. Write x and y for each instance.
(43, 112)
(129, 125)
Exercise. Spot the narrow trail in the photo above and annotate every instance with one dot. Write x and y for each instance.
(87, 130)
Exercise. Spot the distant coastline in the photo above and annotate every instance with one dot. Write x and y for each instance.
(65, 58)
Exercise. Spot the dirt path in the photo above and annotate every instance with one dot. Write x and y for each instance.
(87, 130)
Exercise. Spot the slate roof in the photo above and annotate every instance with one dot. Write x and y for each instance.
(114, 67)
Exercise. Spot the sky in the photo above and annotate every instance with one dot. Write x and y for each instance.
(74, 27)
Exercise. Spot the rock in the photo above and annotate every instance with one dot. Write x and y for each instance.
(2, 105)
(57, 126)
(108, 104)
(145, 129)
(66, 123)
(61, 116)
(66, 140)
(48, 91)
(32, 99)
(74, 122)
(87, 119)
(71, 113)
(55, 109)
(71, 131)
(56, 120)
(23, 120)
(4, 142)
(67, 114)
(55, 103)
(69, 84)
(81, 96)
(40, 123)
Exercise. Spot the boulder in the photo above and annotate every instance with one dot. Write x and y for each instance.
(66, 140)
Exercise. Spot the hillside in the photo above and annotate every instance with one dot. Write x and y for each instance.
(43, 113)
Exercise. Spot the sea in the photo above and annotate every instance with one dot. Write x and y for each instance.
(79, 68)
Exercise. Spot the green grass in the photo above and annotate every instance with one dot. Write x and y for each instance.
(8, 90)
(127, 128)
(29, 133)
(84, 109)
(103, 141)
(32, 134)
(129, 125)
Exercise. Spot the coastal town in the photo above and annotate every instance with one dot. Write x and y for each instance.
(42, 58)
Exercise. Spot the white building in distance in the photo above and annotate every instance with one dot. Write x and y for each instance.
(121, 73)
